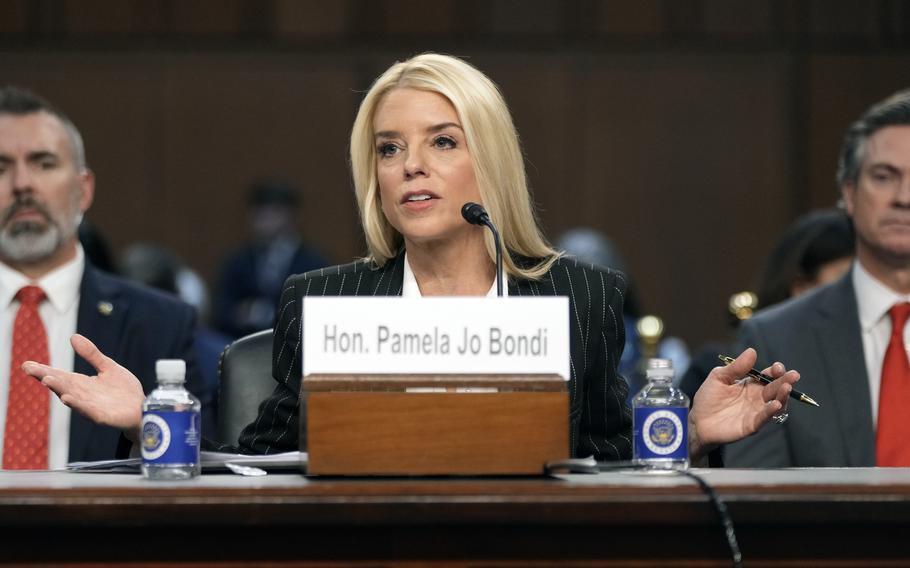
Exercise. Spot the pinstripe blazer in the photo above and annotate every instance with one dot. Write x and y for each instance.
(599, 418)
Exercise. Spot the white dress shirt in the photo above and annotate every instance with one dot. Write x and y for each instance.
(58, 313)
(410, 289)
(874, 300)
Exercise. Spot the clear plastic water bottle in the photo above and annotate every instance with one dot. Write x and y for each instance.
(660, 420)
(170, 426)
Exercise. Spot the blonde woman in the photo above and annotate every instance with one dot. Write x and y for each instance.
(431, 134)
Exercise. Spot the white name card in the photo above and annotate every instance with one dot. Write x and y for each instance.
(449, 335)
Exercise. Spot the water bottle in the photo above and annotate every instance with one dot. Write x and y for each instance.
(170, 426)
(660, 420)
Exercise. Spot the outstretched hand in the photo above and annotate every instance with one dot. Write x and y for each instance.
(113, 397)
(730, 405)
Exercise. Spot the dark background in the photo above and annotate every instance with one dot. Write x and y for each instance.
(692, 132)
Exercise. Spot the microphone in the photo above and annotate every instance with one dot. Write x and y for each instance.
(475, 214)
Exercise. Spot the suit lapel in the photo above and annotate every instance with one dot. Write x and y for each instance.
(839, 343)
(524, 287)
(387, 279)
(101, 315)
(100, 318)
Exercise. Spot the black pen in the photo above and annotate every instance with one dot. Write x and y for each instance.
(802, 397)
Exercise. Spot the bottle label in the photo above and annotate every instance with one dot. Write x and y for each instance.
(170, 437)
(661, 432)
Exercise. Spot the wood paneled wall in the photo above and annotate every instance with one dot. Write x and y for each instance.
(691, 132)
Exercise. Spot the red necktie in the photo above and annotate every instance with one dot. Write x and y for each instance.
(892, 443)
(25, 440)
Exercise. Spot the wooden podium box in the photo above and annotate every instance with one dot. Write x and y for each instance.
(435, 425)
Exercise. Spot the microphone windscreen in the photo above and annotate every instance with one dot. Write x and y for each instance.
(473, 213)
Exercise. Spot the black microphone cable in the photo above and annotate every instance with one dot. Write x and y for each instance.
(588, 465)
(723, 515)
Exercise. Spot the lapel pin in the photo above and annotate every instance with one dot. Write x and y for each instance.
(105, 308)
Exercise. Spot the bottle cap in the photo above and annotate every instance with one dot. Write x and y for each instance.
(170, 369)
(659, 368)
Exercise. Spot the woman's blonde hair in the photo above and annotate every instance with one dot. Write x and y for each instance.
(495, 151)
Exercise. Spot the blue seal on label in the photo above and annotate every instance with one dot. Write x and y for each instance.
(661, 433)
(170, 438)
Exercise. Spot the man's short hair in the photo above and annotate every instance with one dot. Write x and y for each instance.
(893, 111)
(19, 102)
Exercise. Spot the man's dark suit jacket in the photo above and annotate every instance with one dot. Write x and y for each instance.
(135, 326)
(239, 281)
(819, 335)
(599, 418)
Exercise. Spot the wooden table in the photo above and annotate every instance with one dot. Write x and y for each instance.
(810, 517)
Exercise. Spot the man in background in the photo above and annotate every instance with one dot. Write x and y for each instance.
(48, 292)
(249, 286)
(849, 339)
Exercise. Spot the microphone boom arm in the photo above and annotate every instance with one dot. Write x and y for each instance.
(475, 214)
(498, 247)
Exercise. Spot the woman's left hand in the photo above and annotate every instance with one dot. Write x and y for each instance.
(727, 408)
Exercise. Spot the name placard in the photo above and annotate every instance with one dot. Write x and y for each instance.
(449, 335)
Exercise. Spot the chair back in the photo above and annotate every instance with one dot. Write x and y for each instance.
(245, 372)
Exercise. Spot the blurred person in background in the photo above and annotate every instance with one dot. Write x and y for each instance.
(815, 250)
(251, 277)
(158, 267)
(96, 247)
(592, 246)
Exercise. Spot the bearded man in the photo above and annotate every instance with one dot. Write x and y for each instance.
(50, 295)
